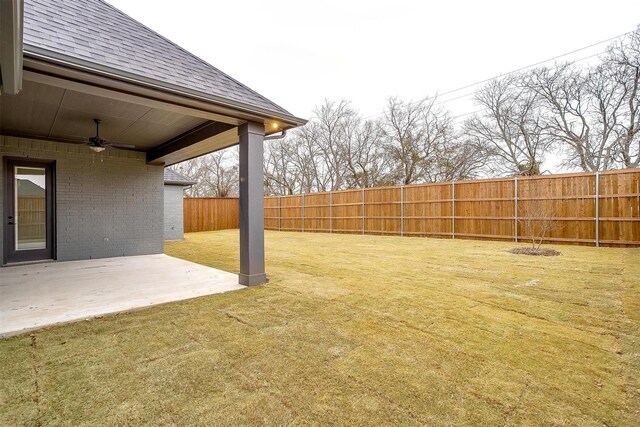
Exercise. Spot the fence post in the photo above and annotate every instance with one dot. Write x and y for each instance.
(279, 213)
(597, 209)
(515, 206)
(330, 212)
(453, 209)
(402, 210)
(303, 212)
(363, 210)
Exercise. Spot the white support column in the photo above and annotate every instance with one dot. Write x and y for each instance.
(251, 137)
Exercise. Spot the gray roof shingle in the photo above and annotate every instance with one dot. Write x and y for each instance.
(98, 33)
(172, 177)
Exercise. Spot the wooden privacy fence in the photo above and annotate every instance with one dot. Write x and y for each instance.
(210, 213)
(589, 208)
(32, 224)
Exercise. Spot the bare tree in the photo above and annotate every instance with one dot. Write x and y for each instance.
(282, 174)
(414, 132)
(509, 131)
(366, 162)
(581, 112)
(194, 170)
(457, 160)
(215, 174)
(296, 163)
(538, 218)
(623, 61)
(312, 161)
(591, 114)
(335, 125)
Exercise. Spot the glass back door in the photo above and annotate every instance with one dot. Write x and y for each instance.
(29, 225)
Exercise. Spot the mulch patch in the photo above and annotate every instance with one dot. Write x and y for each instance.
(534, 252)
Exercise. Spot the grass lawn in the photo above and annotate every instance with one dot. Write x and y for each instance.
(353, 330)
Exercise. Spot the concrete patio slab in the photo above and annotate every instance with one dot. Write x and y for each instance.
(38, 295)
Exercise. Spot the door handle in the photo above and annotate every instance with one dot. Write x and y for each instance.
(11, 223)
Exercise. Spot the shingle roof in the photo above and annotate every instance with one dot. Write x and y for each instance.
(172, 177)
(29, 188)
(98, 33)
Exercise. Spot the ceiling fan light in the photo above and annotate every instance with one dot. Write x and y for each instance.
(96, 148)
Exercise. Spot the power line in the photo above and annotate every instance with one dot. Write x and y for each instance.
(444, 101)
(518, 70)
(454, 118)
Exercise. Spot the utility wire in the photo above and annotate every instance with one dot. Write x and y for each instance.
(444, 101)
(517, 70)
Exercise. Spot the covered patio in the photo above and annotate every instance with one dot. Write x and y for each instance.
(94, 106)
(35, 296)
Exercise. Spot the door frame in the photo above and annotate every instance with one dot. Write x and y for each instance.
(8, 203)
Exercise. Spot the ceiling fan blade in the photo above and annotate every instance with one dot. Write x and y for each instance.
(118, 145)
(98, 144)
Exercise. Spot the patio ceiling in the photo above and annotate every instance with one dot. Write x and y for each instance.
(85, 60)
(170, 128)
(56, 113)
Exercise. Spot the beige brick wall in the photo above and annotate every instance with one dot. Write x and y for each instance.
(107, 204)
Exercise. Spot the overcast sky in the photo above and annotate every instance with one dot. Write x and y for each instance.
(299, 52)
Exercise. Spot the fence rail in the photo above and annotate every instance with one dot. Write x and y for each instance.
(590, 208)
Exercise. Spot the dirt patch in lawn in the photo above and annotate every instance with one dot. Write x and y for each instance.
(535, 252)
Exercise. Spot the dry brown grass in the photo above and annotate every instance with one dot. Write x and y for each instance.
(353, 330)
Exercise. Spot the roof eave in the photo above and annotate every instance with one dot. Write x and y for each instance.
(60, 60)
(11, 41)
(180, 183)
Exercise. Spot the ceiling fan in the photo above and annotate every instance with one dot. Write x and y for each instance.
(98, 144)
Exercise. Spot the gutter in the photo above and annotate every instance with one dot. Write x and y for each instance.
(180, 183)
(272, 137)
(11, 41)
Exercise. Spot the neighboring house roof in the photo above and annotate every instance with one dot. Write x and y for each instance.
(94, 33)
(172, 177)
(27, 188)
